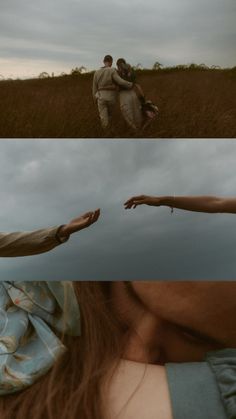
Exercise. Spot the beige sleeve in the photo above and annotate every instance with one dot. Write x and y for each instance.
(30, 242)
(121, 82)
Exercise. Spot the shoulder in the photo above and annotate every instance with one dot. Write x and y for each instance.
(194, 391)
(98, 71)
(112, 70)
(149, 389)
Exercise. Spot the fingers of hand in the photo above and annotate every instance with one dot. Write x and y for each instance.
(134, 198)
(87, 214)
(96, 215)
(134, 204)
(93, 217)
(134, 201)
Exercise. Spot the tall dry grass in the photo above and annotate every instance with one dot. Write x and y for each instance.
(192, 103)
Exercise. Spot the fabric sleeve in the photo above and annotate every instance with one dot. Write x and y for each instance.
(30, 242)
(223, 365)
(194, 391)
(121, 82)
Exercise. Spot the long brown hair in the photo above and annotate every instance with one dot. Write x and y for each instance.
(73, 388)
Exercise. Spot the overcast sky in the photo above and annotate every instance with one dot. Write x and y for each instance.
(58, 35)
(47, 182)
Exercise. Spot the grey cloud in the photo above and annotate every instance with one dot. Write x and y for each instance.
(172, 32)
(46, 183)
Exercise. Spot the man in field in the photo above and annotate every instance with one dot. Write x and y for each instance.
(105, 85)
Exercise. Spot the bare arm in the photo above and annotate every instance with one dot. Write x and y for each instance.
(40, 241)
(210, 204)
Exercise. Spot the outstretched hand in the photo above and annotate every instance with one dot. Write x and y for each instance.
(142, 200)
(79, 223)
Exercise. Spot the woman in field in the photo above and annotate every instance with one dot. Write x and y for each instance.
(143, 350)
(136, 110)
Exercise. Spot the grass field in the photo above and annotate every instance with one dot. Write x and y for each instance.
(192, 103)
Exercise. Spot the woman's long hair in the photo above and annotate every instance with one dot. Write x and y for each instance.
(73, 388)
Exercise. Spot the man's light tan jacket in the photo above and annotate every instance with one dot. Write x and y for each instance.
(30, 242)
(106, 80)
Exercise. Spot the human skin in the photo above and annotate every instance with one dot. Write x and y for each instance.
(176, 321)
(168, 322)
(210, 204)
(79, 223)
(137, 390)
(140, 338)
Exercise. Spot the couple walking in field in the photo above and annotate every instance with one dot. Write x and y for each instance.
(109, 82)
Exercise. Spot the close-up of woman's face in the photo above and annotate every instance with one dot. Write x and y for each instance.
(179, 321)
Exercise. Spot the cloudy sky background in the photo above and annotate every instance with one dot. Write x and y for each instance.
(48, 182)
(57, 35)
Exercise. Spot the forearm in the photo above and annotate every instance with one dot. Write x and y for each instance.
(121, 82)
(30, 242)
(209, 204)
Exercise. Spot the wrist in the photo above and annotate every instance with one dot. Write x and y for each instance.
(155, 201)
(168, 201)
(62, 233)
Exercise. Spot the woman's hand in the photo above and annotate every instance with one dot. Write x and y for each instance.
(142, 200)
(202, 203)
(79, 223)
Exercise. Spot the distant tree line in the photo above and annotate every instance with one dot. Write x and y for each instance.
(157, 66)
(74, 72)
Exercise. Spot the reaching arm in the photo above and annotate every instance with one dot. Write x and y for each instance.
(121, 82)
(210, 204)
(40, 241)
(29, 243)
